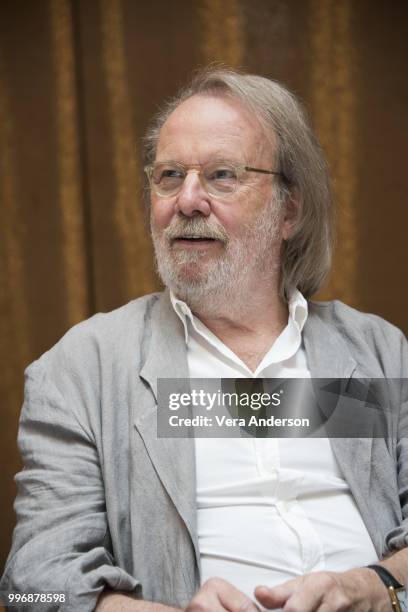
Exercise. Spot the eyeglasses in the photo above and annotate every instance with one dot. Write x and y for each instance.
(219, 178)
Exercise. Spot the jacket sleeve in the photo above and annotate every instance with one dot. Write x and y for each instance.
(397, 538)
(61, 541)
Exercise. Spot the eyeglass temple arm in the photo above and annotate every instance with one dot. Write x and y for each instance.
(249, 169)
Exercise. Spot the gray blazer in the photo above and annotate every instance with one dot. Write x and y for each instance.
(103, 502)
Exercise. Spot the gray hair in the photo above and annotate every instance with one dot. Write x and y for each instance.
(307, 254)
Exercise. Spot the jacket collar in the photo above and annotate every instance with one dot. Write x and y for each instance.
(164, 345)
(328, 354)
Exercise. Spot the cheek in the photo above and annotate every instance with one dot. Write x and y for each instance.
(161, 213)
(232, 218)
(237, 214)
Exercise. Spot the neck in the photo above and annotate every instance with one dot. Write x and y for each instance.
(260, 314)
(247, 325)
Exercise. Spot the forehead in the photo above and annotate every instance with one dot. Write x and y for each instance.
(204, 127)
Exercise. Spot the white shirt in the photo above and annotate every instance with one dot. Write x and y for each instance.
(269, 509)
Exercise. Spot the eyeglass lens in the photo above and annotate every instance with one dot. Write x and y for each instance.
(218, 178)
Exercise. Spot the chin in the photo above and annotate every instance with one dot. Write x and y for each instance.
(189, 269)
(191, 278)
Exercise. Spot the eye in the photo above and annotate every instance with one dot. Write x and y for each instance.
(171, 173)
(167, 173)
(219, 174)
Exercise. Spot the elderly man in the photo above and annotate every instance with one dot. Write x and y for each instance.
(241, 225)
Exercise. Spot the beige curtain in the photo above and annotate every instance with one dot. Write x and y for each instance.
(79, 80)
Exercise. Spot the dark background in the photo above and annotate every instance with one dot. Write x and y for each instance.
(79, 80)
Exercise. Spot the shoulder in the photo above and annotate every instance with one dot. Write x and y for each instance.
(90, 371)
(337, 313)
(364, 333)
(105, 338)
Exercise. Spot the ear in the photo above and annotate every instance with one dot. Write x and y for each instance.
(292, 213)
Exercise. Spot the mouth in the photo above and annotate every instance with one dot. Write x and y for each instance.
(192, 241)
(194, 238)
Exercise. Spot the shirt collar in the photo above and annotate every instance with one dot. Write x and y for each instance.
(297, 306)
(298, 309)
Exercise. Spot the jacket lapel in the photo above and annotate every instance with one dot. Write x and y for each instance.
(173, 458)
(329, 356)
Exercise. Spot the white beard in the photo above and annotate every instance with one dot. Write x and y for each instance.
(218, 282)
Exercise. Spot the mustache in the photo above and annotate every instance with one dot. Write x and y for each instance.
(195, 227)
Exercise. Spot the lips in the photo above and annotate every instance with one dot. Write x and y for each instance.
(194, 238)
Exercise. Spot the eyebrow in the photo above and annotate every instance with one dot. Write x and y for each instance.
(215, 159)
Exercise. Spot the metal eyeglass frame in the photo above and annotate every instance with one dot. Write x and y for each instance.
(239, 169)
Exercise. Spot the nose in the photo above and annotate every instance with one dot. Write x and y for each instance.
(193, 198)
